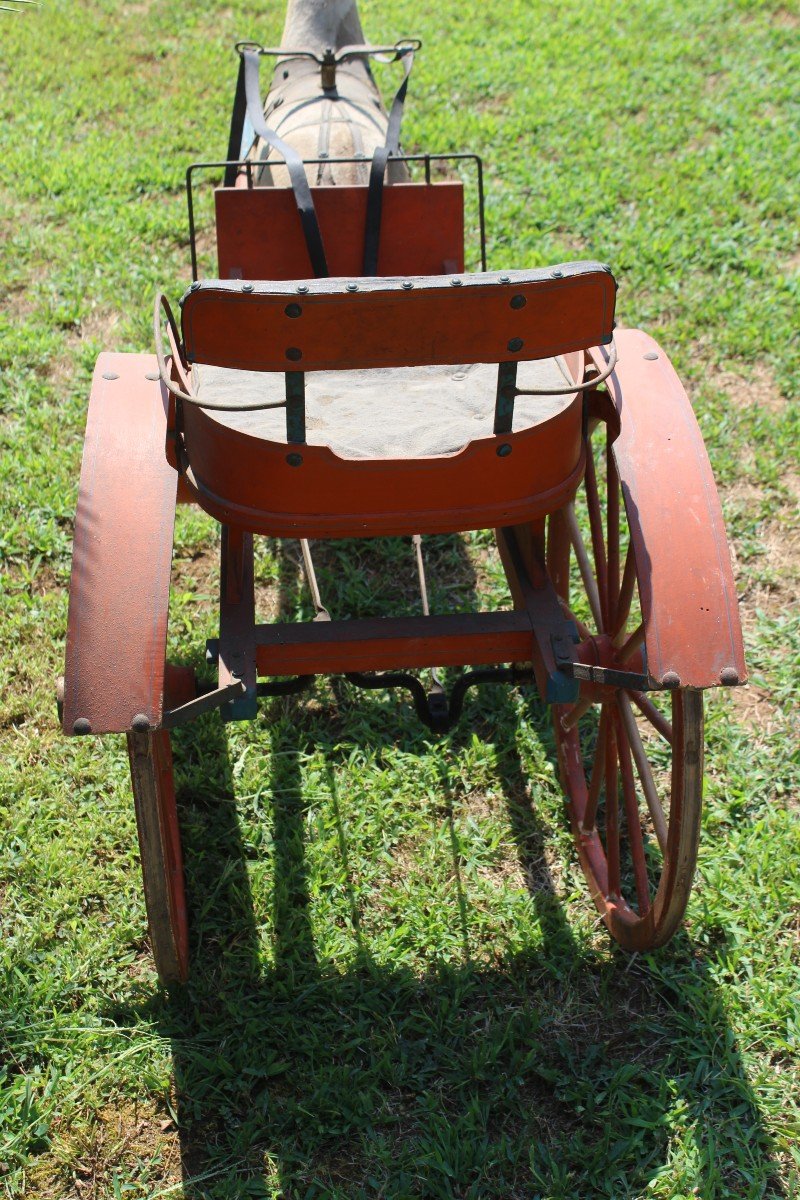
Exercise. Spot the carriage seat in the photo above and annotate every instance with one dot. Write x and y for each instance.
(402, 412)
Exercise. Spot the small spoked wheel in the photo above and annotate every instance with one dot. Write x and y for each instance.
(153, 784)
(631, 762)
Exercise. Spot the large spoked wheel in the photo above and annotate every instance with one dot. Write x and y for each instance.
(631, 762)
(150, 757)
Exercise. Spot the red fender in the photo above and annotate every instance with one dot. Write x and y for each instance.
(686, 586)
(122, 553)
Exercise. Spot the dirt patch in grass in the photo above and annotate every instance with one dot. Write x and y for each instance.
(757, 386)
(128, 1145)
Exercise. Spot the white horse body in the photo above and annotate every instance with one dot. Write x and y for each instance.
(349, 121)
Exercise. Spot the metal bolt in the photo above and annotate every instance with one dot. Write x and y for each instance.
(352, 287)
(110, 375)
(247, 287)
(518, 301)
(140, 723)
(293, 354)
(302, 287)
(152, 376)
(294, 460)
(729, 676)
(557, 274)
(651, 356)
(671, 679)
(503, 450)
(293, 310)
(515, 344)
(82, 725)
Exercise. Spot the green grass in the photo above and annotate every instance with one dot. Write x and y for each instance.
(398, 987)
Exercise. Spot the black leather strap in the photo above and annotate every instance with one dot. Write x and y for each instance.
(377, 173)
(237, 129)
(294, 164)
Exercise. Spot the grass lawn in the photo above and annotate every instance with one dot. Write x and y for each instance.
(398, 986)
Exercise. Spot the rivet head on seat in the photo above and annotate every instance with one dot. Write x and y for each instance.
(293, 354)
(110, 375)
(407, 284)
(140, 723)
(671, 679)
(456, 282)
(515, 345)
(152, 376)
(247, 287)
(651, 356)
(352, 287)
(293, 310)
(518, 301)
(82, 725)
(504, 279)
(294, 460)
(729, 676)
(302, 287)
(194, 286)
(557, 274)
(503, 450)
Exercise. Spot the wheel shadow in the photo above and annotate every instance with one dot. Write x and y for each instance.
(558, 1068)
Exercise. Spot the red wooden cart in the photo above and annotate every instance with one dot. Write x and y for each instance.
(412, 399)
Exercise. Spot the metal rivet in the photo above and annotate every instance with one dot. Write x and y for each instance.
(294, 460)
(323, 154)
(503, 450)
(293, 310)
(407, 284)
(140, 723)
(504, 279)
(651, 356)
(515, 344)
(247, 287)
(110, 375)
(671, 679)
(605, 267)
(456, 282)
(302, 287)
(194, 286)
(459, 375)
(82, 725)
(518, 301)
(152, 376)
(729, 676)
(556, 274)
(293, 354)
(352, 287)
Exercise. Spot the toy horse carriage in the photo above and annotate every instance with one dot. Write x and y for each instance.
(344, 377)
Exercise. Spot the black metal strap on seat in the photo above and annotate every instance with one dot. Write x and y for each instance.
(249, 83)
(380, 160)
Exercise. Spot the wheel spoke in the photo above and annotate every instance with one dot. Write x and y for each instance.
(633, 643)
(570, 719)
(656, 719)
(635, 839)
(643, 769)
(598, 545)
(584, 566)
(598, 766)
(625, 597)
(612, 536)
(612, 812)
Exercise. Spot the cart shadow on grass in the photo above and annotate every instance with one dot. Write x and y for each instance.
(555, 1071)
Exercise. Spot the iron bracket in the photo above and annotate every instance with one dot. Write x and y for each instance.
(203, 704)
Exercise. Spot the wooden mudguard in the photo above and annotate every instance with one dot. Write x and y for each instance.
(119, 588)
(693, 633)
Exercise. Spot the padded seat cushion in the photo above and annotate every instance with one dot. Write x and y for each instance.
(408, 412)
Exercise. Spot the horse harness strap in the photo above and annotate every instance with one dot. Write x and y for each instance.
(248, 103)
